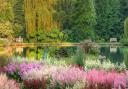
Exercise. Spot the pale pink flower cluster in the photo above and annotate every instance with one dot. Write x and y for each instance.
(43, 72)
(69, 75)
(5, 83)
(62, 74)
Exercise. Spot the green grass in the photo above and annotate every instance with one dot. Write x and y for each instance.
(2, 42)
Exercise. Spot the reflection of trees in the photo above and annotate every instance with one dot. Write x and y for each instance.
(39, 52)
(47, 52)
(8, 51)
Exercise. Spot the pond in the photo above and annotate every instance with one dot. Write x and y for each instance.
(114, 54)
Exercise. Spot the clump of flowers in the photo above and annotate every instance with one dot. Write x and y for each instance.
(5, 83)
(105, 65)
(58, 75)
(16, 71)
(25, 67)
(68, 75)
(105, 80)
(11, 68)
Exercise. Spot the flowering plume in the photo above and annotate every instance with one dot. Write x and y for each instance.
(5, 83)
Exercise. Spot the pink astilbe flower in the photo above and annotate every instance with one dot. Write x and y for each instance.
(107, 80)
(40, 73)
(120, 81)
(5, 83)
(69, 75)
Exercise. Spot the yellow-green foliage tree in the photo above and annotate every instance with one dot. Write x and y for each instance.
(6, 18)
(39, 16)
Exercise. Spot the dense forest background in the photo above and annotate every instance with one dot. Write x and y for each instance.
(64, 20)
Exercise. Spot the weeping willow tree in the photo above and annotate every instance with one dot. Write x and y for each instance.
(39, 16)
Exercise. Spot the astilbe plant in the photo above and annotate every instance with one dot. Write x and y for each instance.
(59, 76)
(39, 77)
(105, 80)
(5, 83)
(16, 71)
(68, 76)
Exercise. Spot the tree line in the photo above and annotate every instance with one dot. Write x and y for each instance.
(64, 20)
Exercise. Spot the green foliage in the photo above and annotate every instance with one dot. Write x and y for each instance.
(125, 37)
(54, 35)
(19, 19)
(126, 28)
(108, 19)
(78, 59)
(3, 60)
(15, 76)
(3, 42)
(78, 19)
(6, 18)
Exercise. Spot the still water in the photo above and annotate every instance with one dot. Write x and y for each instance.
(115, 54)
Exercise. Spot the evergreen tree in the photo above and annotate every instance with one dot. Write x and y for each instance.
(84, 20)
(79, 19)
(108, 19)
(19, 20)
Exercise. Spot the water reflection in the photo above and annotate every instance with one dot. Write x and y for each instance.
(37, 52)
(118, 54)
(115, 54)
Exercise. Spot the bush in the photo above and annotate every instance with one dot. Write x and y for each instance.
(78, 59)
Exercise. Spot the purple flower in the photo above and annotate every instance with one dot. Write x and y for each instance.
(11, 68)
(26, 67)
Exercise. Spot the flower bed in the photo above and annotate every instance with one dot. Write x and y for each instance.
(43, 76)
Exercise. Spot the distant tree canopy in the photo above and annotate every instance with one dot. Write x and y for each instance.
(78, 19)
(108, 19)
(63, 20)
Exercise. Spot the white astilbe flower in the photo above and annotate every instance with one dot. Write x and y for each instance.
(5, 83)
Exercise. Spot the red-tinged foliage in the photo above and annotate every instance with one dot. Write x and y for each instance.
(35, 84)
